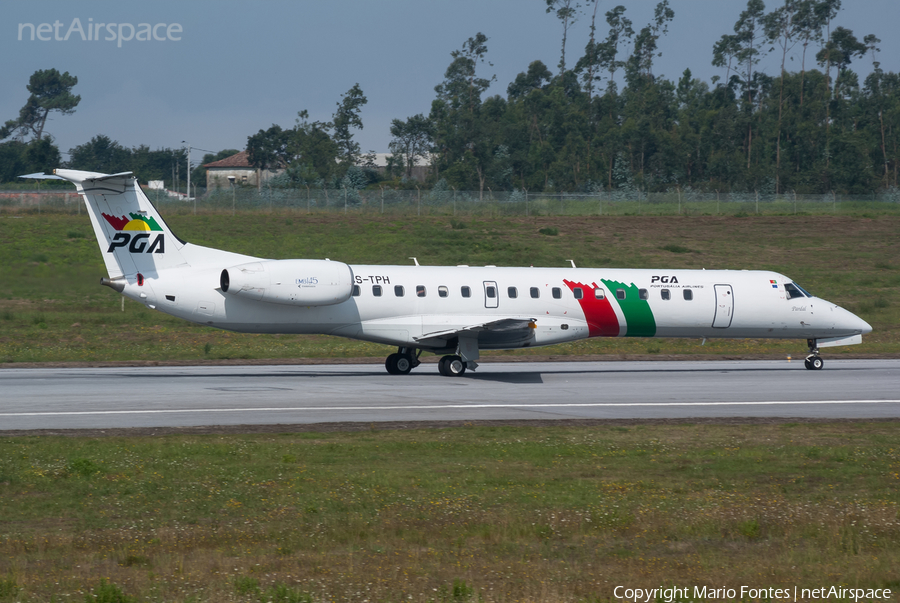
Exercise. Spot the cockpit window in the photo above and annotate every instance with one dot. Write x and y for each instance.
(802, 290)
(793, 291)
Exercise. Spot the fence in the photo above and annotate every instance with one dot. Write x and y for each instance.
(469, 203)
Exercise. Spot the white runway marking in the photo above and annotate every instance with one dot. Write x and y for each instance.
(435, 407)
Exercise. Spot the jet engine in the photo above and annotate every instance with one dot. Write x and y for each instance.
(290, 282)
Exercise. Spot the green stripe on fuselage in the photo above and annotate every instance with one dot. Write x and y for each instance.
(638, 316)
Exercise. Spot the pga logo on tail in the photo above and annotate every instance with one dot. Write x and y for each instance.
(139, 241)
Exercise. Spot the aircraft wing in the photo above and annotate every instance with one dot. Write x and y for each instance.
(504, 328)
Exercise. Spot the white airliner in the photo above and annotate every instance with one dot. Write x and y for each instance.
(453, 311)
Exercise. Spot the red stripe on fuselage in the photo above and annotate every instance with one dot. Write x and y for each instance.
(599, 314)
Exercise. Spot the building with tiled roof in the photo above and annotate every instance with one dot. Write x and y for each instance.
(219, 174)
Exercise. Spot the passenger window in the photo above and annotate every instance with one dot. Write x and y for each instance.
(376, 290)
(557, 293)
(420, 290)
(688, 295)
(578, 292)
(535, 292)
(620, 293)
(490, 292)
(599, 293)
(643, 294)
(465, 291)
(512, 292)
(443, 291)
(398, 290)
(355, 290)
(664, 294)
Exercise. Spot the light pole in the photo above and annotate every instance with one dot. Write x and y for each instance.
(231, 180)
(189, 172)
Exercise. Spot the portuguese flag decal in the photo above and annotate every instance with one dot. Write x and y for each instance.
(601, 317)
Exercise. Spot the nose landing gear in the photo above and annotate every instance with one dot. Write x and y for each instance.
(813, 362)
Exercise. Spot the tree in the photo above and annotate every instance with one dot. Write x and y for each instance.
(880, 101)
(17, 158)
(602, 55)
(749, 34)
(619, 31)
(269, 148)
(346, 117)
(782, 29)
(50, 91)
(412, 139)
(42, 156)
(536, 78)
(314, 151)
(589, 63)
(567, 13)
(808, 30)
(640, 64)
(12, 160)
(460, 133)
(746, 42)
(307, 151)
(100, 154)
(824, 13)
(840, 50)
(725, 52)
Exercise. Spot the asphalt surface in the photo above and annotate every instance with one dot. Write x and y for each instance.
(179, 397)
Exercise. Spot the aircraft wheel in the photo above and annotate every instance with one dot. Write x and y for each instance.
(455, 366)
(442, 366)
(403, 364)
(390, 364)
(814, 363)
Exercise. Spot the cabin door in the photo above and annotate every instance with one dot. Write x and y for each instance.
(724, 306)
(491, 295)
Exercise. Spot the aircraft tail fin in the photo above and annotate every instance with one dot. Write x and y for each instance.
(133, 237)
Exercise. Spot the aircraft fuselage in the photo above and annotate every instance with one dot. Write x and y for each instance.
(456, 310)
(403, 305)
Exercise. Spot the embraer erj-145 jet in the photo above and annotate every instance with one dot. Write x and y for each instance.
(452, 311)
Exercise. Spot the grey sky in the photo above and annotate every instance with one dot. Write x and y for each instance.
(240, 66)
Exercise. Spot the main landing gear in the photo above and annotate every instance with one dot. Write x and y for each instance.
(451, 366)
(403, 361)
(813, 362)
(406, 359)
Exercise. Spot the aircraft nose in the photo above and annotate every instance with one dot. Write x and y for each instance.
(851, 322)
(866, 327)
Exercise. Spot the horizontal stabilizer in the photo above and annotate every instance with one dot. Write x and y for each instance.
(79, 176)
(41, 176)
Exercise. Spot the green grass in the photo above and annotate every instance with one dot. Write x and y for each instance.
(52, 308)
(561, 513)
(676, 248)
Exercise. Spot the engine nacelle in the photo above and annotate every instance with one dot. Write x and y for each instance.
(290, 282)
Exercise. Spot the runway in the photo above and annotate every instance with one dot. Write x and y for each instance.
(108, 398)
